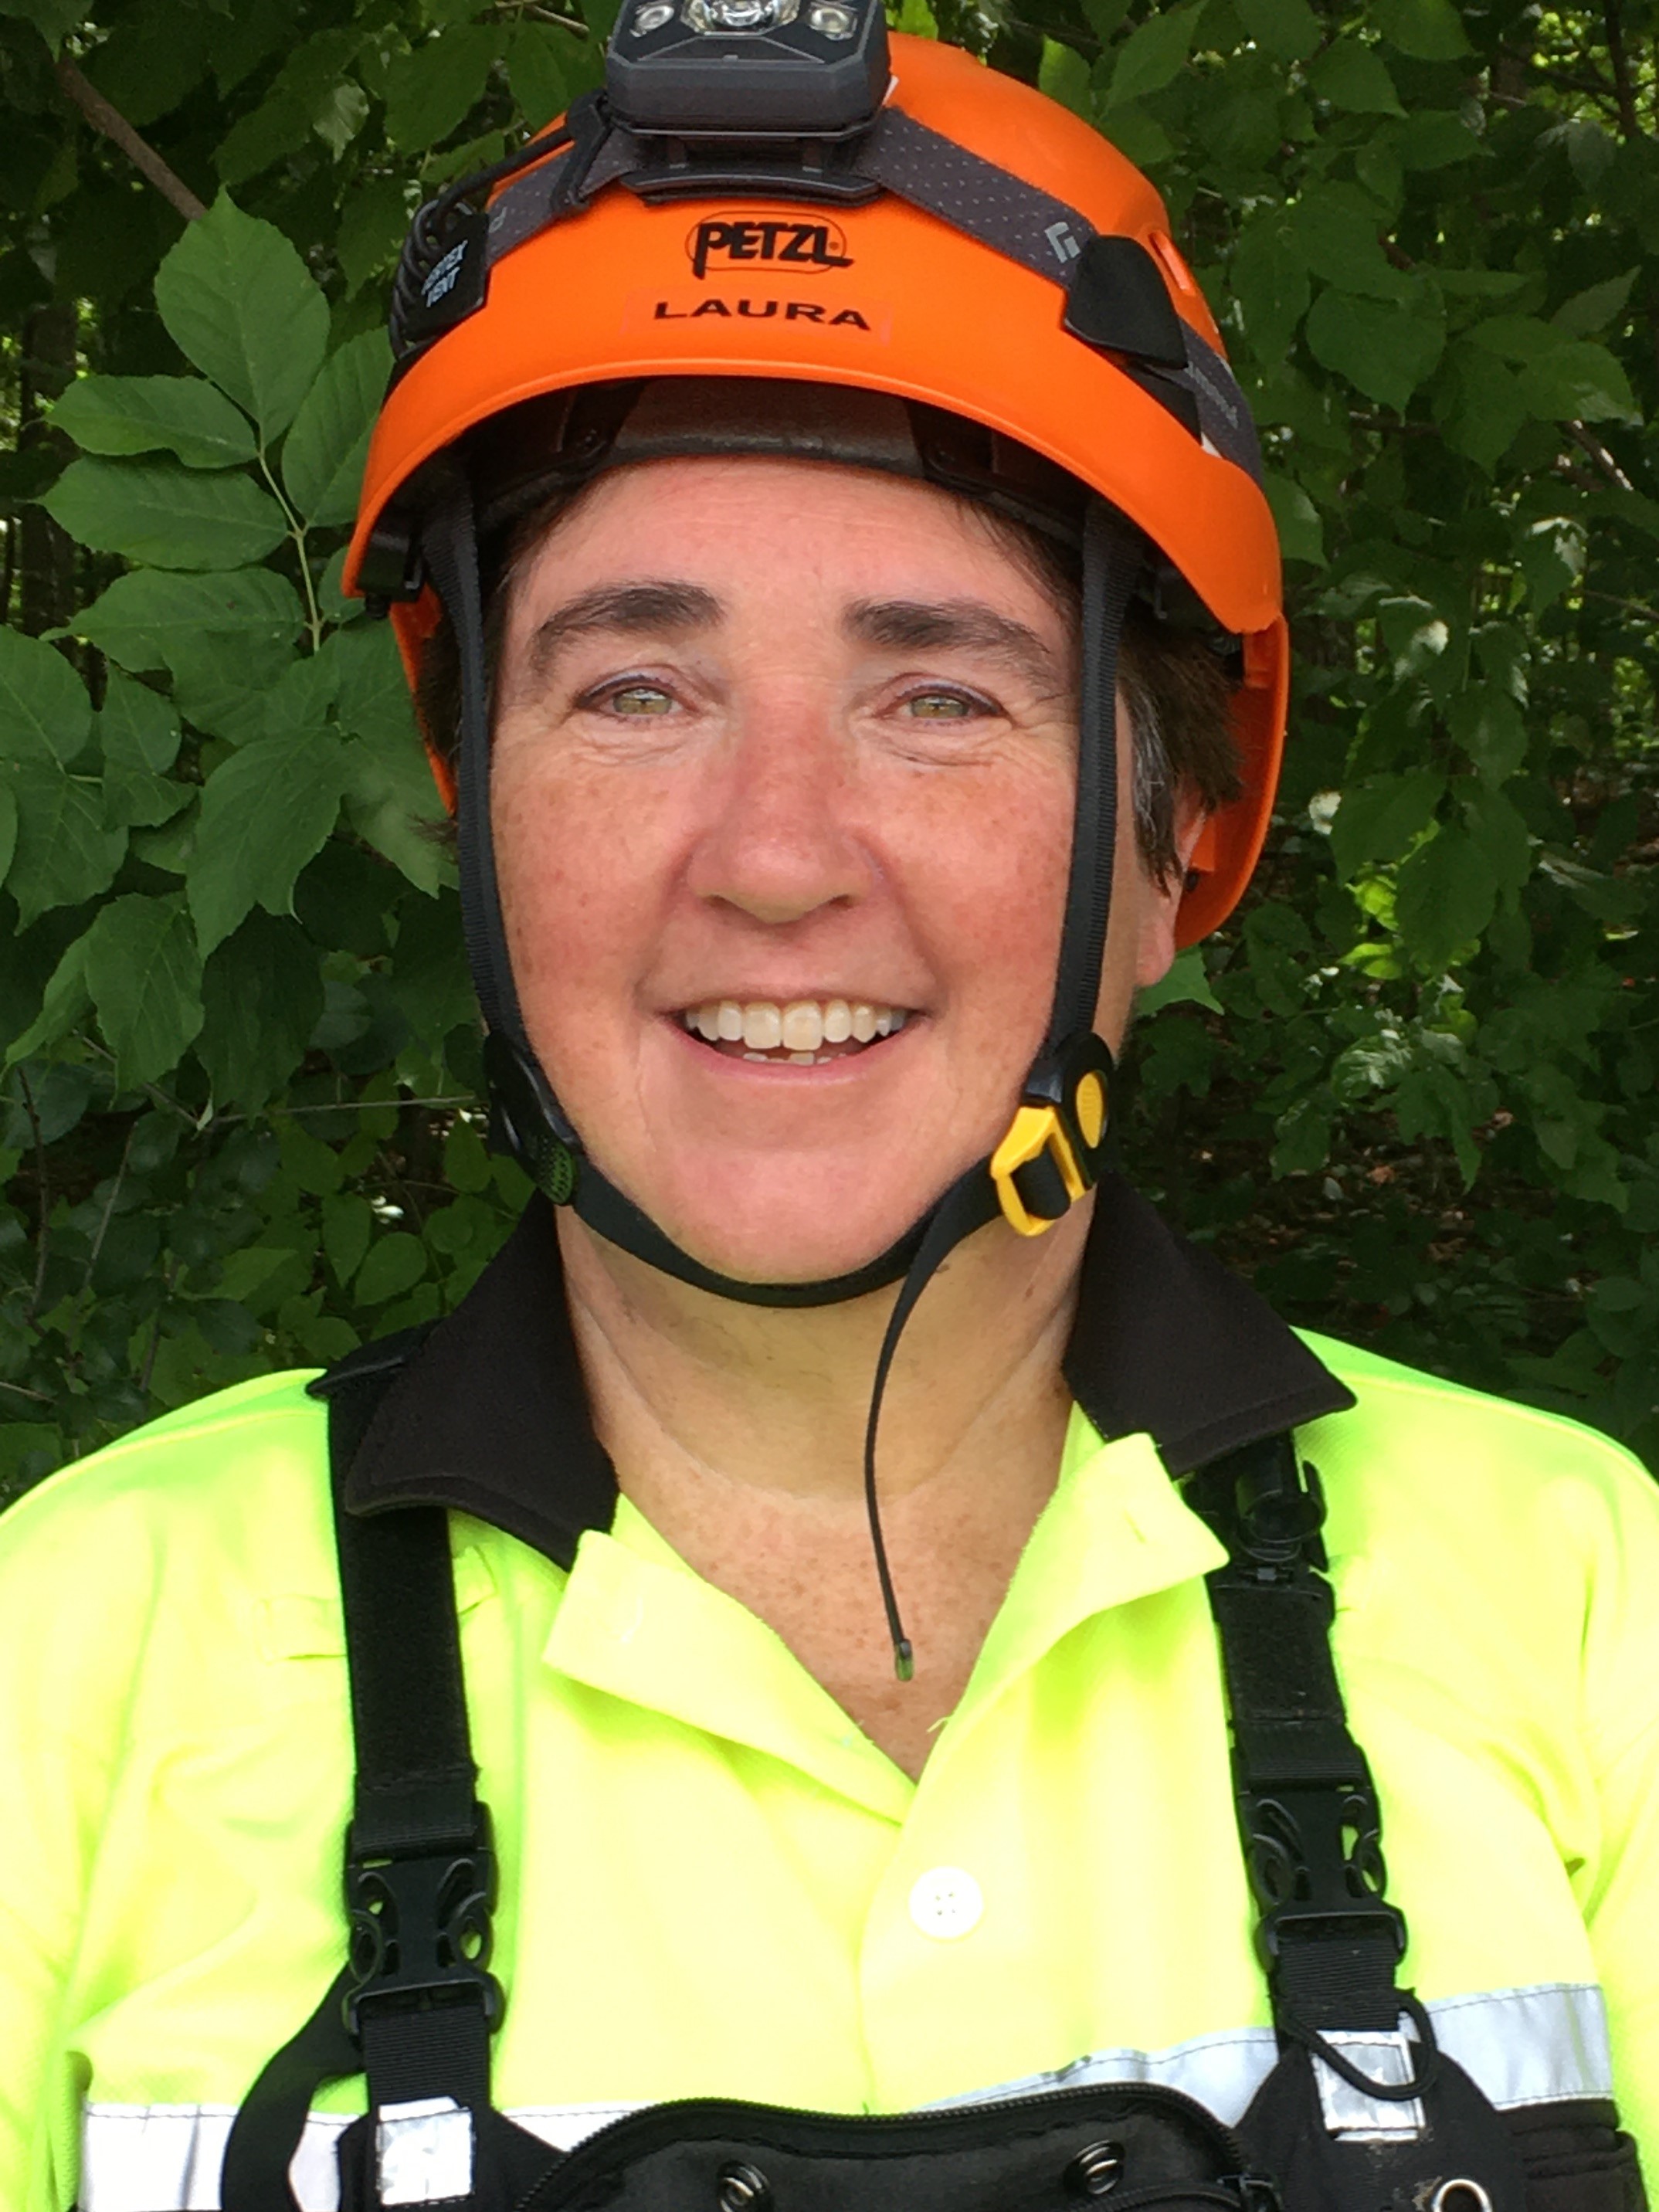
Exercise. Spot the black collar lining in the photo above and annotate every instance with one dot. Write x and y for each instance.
(489, 1415)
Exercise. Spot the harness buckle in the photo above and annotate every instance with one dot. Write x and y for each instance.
(1315, 1860)
(420, 1928)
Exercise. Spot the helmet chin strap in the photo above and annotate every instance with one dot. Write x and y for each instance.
(1053, 1148)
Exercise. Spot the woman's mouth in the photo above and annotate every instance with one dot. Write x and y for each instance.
(798, 1033)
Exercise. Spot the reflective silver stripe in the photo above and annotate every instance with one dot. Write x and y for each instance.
(1533, 2046)
(167, 2158)
(1530, 2046)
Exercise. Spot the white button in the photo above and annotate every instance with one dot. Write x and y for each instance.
(946, 1903)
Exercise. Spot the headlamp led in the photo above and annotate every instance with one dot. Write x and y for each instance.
(748, 69)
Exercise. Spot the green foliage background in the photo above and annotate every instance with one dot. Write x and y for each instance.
(1411, 1087)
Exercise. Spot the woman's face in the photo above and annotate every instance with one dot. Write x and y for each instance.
(782, 797)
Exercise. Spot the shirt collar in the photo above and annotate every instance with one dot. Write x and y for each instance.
(488, 1414)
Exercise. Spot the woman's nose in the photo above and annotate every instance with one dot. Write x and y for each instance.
(780, 841)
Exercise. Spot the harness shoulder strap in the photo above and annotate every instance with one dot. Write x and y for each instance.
(414, 2007)
(1308, 1819)
(1358, 2115)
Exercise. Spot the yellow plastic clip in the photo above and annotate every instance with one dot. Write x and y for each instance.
(1033, 1131)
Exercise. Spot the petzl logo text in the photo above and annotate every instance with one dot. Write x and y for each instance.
(730, 241)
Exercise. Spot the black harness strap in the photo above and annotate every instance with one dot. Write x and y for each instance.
(416, 2005)
(1308, 1813)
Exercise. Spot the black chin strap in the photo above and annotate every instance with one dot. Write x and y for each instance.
(1053, 1149)
(1072, 1054)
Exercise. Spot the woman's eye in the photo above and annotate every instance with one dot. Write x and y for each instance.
(940, 707)
(639, 700)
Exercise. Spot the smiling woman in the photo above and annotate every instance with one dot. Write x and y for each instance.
(781, 699)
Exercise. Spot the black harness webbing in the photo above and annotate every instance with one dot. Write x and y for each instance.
(415, 2007)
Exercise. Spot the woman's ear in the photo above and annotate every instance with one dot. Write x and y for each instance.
(1160, 902)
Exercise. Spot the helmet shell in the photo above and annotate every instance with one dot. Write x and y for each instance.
(887, 297)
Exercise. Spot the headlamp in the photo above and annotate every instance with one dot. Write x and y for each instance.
(748, 69)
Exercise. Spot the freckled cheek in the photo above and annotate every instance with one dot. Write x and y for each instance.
(584, 870)
(989, 887)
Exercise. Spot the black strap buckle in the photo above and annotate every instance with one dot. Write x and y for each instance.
(1315, 1858)
(420, 1928)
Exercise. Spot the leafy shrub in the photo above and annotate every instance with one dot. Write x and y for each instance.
(1411, 1087)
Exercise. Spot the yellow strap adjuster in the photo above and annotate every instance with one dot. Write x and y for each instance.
(1039, 1129)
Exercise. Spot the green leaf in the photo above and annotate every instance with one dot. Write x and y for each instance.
(240, 304)
(392, 805)
(1153, 53)
(65, 853)
(7, 828)
(44, 712)
(348, 1225)
(180, 415)
(65, 1000)
(431, 89)
(1498, 831)
(168, 516)
(1384, 352)
(1187, 982)
(53, 19)
(1064, 76)
(266, 812)
(1430, 30)
(138, 728)
(138, 734)
(394, 1264)
(144, 974)
(535, 73)
(1354, 78)
(323, 458)
(263, 136)
(1378, 820)
(1446, 895)
(1592, 310)
(1301, 532)
(152, 619)
(263, 994)
(1269, 277)
(1335, 228)
(1488, 725)
(1287, 29)
(372, 228)
(1582, 382)
(1434, 139)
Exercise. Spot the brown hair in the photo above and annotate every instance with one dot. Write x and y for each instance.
(1176, 686)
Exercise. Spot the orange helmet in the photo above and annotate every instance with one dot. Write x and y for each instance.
(1048, 305)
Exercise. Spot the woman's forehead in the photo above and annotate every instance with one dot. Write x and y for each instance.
(745, 526)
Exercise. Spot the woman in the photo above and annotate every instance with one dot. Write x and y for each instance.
(779, 679)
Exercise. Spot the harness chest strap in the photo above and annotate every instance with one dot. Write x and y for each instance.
(1366, 2114)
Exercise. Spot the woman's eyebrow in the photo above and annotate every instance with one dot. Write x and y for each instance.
(643, 610)
(934, 626)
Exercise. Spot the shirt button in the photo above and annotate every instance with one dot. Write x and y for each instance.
(945, 1903)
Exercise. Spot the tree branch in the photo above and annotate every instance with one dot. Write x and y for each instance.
(1625, 90)
(1598, 452)
(116, 128)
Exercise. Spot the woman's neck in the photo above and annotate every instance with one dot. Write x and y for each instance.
(738, 1432)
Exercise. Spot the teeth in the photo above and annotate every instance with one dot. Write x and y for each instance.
(800, 1027)
(763, 1026)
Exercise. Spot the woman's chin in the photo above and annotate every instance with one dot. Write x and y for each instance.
(810, 1229)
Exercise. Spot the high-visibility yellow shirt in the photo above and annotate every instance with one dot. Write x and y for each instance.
(714, 1883)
